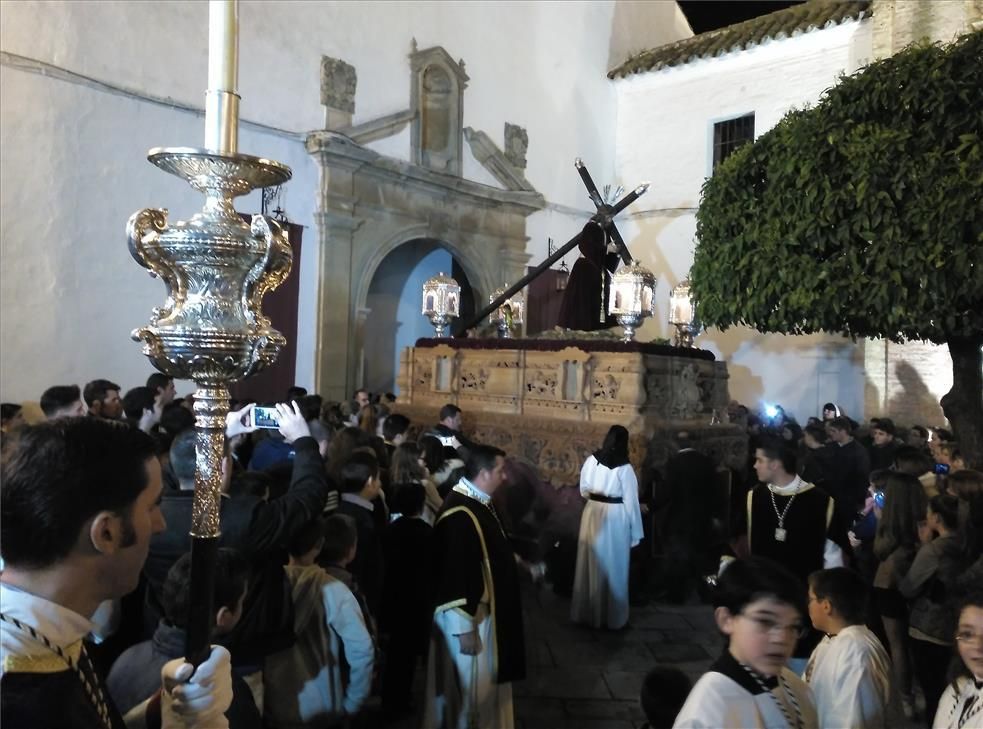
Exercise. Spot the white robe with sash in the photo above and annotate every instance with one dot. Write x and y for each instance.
(607, 534)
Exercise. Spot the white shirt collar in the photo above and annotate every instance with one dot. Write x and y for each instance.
(469, 489)
(60, 625)
(796, 485)
(354, 498)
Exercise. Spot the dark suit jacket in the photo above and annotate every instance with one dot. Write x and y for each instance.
(406, 595)
(368, 565)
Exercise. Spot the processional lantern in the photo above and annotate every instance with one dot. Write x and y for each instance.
(508, 317)
(217, 268)
(441, 302)
(682, 314)
(632, 297)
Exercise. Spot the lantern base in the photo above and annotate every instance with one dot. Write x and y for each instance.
(630, 321)
(684, 336)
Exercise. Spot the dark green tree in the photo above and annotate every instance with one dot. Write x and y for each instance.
(862, 215)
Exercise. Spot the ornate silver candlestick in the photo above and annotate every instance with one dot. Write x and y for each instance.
(510, 313)
(217, 268)
(632, 297)
(682, 314)
(441, 302)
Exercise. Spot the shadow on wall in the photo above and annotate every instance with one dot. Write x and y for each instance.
(913, 401)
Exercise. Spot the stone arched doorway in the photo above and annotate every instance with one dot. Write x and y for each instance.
(370, 205)
(391, 312)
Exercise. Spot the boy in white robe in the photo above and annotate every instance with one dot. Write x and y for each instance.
(760, 607)
(849, 672)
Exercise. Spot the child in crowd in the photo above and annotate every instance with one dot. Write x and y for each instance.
(961, 705)
(664, 691)
(407, 613)
(849, 672)
(135, 675)
(760, 607)
(927, 587)
(360, 485)
(306, 685)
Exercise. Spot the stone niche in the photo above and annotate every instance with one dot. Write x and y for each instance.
(370, 204)
(552, 408)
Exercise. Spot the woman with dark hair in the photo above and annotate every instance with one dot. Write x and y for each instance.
(445, 472)
(409, 467)
(610, 526)
(896, 542)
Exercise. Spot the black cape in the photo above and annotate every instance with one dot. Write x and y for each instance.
(585, 300)
(460, 554)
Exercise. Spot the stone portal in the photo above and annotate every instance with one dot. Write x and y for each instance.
(370, 204)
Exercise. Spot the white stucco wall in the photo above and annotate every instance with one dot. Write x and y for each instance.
(74, 168)
(664, 133)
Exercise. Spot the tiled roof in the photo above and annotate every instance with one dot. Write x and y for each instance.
(781, 23)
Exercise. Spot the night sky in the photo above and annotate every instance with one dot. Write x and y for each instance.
(706, 15)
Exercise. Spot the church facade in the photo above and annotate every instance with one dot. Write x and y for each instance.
(445, 128)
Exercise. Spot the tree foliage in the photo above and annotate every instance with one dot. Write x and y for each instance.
(861, 215)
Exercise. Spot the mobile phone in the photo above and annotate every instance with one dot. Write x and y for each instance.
(264, 417)
(879, 499)
(942, 468)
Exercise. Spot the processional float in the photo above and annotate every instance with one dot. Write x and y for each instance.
(217, 268)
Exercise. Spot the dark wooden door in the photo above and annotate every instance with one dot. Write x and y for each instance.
(543, 299)
(280, 305)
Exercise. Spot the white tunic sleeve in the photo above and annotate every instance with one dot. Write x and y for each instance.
(629, 491)
(587, 475)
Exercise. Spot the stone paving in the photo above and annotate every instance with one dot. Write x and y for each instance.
(589, 679)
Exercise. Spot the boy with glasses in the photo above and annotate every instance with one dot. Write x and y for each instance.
(760, 607)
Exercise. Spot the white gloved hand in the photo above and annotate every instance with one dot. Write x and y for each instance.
(199, 701)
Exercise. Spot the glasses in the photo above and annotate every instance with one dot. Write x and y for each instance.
(966, 636)
(776, 629)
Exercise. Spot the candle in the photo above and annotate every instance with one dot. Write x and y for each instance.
(223, 45)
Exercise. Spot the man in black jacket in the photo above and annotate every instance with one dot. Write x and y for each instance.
(256, 527)
(851, 466)
(448, 432)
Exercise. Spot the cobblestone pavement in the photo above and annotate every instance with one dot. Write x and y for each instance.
(589, 679)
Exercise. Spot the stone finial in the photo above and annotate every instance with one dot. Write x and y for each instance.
(338, 82)
(516, 144)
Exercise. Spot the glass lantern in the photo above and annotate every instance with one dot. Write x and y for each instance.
(682, 314)
(441, 302)
(509, 316)
(632, 297)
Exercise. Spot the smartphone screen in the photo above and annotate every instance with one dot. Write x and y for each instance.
(264, 417)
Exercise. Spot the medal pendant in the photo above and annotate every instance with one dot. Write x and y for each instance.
(780, 534)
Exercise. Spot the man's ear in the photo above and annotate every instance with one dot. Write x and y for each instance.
(106, 532)
(827, 606)
(225, 619)
(96, 407)
(724, 619)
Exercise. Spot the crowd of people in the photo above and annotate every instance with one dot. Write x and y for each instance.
(362, 554)
(349, 554)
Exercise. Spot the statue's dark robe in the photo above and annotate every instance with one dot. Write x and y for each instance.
(585, 301)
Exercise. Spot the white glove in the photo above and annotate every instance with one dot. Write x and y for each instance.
(199, 701)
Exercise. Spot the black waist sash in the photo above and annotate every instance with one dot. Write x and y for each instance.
(605, 499)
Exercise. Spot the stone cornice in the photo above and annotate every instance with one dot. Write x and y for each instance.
(338, 149)
(374, 129)
(493, 159)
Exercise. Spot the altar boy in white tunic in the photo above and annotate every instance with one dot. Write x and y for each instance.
(849, 672)
(760, 608)
(610, 526)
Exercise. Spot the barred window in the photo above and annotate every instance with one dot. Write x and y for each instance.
(730, 134)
